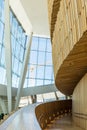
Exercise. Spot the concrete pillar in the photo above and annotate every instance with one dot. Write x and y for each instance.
(8, 58)
(23, 72)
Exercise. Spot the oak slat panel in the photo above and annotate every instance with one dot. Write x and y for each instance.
(69, 43)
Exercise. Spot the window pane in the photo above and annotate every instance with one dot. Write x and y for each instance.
(15, 69)
(14, 27)
(47, 82)
(40, 72)
(3, 57)
(48, 72)
(17, 49)
(19, 33)
(34, 45)
(14, 80)
(32, 71)
(2, 10)
(42, 44)
(3, 75)
(19, 68)
(41, 58)
(21, 54)
(48, 58)
(32, 82)
(1, 31)
(33, 57)
(49, 47)
(39, 82)
(23, 39)
(13, 41)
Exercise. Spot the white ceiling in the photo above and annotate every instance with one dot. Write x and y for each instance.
(37, 13)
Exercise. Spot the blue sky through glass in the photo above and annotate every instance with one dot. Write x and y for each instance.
(18, 41)
(40, 68)
(40, 65)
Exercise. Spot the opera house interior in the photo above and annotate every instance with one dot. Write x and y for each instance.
(43, 64)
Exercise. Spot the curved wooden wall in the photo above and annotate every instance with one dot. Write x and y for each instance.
(48, 111)
(69, 43)
(80, 103)
(36, 116)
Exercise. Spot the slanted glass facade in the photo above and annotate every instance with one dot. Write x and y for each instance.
(18, 44)
(40, 68)
(2, 48)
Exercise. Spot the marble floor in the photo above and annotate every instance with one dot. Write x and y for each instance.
(64, 123)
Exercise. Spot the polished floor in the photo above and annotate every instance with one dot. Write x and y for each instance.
(64, 123)
(24, 119)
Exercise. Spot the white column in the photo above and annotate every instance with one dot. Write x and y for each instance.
(23, 72)
(8, 53)
(3, 106)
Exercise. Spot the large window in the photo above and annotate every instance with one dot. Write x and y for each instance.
(40, 68)
(18, 43)
(2, 50)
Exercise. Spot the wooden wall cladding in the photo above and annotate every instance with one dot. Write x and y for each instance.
(79, 101)
(46, 112)
(69, 44)
(53, 8)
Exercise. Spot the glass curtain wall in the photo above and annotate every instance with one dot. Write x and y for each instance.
(40, 68)
(18, 43)
(2, 50)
